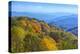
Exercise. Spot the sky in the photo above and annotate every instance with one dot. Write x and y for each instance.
(49, 12)
(50, 8)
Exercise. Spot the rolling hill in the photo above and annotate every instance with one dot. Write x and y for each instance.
(30, 34)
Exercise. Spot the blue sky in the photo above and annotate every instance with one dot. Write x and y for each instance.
(43, 7)
(49, 12)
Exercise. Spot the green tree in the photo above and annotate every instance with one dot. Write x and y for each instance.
(17, 36)
(31, 42)
(18, 31)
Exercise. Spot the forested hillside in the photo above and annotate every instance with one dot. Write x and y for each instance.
(30, 34)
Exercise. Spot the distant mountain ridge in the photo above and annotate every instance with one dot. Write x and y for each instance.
(67, 23)
(63, 20)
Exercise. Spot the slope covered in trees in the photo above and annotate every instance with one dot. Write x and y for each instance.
(30, 34)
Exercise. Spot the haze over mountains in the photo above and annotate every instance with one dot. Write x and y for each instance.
(60, 15)
(66, 21)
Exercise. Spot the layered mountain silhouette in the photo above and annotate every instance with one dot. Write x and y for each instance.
(68, 23)
(62, 20)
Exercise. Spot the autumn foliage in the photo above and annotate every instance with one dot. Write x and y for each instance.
(30, 34)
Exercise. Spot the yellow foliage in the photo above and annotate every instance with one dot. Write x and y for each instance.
(49, 43)
(46, 25)
(23, 22)
(18, 31)
(30, 28)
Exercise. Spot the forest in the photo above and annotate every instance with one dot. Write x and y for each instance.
(30, 35)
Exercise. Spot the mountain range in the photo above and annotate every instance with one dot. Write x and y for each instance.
(66, 21)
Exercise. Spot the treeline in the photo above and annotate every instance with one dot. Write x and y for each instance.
(30, 34)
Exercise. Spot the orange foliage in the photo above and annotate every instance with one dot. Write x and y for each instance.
(36, 26)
